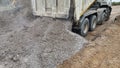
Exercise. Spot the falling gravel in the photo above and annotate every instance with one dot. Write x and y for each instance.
(27, 41)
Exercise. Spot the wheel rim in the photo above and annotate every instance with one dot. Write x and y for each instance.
(86, 28)
(94, 24)
(103, 16)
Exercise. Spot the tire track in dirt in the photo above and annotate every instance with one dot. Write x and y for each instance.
(102, 51)
(101, 28)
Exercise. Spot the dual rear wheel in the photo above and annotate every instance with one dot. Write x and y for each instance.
(88, 24)
(103, 18)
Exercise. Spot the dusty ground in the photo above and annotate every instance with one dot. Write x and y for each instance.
(27, 41)
(103, 50)
(116, 10)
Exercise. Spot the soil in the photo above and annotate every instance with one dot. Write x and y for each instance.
(103, 50)
(27, 41)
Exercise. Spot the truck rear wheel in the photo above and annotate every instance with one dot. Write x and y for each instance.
(102, 18)
(93, 22)
(108, 12)
(84, 28)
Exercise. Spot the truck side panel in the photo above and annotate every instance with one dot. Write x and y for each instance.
(51, 8)
(81, 6)
(105, 2)
(60, 8)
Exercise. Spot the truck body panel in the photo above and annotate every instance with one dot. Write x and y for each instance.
(60, 8)
(51, 8)
(105, 2)
(85, 14)
(81, 6)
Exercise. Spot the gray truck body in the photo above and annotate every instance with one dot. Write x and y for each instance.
(84, 14)
(61, 8)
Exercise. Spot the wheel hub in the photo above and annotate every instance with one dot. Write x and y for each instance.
(86, 28)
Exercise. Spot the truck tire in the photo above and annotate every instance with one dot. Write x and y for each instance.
(108, 12)
(102, 18)
(84, 28)
(93, 23)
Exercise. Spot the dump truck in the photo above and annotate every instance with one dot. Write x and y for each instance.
(84, 14)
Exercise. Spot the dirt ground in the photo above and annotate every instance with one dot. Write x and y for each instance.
(27, 41)
(103, 50)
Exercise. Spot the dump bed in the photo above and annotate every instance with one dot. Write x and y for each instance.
(60, 8)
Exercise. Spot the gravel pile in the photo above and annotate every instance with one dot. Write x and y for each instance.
(35, 42)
